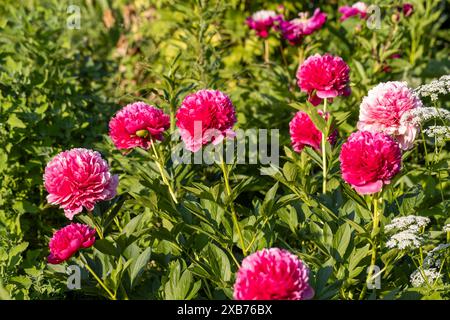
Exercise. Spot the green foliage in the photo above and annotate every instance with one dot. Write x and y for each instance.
(59, 88)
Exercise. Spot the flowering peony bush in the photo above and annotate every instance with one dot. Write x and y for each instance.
(225, 150)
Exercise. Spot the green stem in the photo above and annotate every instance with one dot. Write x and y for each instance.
(172, 119)
(301, 54)
(374, 236)
(161, 171)
(233, 211)
(324, 151)
(96, 226)
(100, 282)
(266, 51)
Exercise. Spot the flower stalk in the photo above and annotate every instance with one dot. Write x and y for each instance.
(111, 295)
(324, 151)
(158, 160)
(377, 214)
(225, 173)
(266, 51)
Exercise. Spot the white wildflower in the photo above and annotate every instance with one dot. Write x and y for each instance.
(434, 88)
(417, 277)
(446, 228)
(435, 256)
(440, 133)
(408, 223)
(263, 15)
(407, 239)
(418, 116)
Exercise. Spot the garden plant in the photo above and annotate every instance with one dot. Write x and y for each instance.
(208, 149)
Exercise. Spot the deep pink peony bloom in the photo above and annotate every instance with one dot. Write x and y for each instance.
(78, 178)
(261, 21)
(272, 274)
(369, 161)
(359, 8)
(323, 77)
(136, 125)
(383, 108)
(294, 30)
(407, 9)
(68, 240)
(205, 116)
(304, 133)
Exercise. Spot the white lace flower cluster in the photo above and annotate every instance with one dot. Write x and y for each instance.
(435, 88)
(418, 116)
(446, 228)
(410, 222)
(404, 240)
(439, 133)
(420, 277)
(435, 256)
(407, 236)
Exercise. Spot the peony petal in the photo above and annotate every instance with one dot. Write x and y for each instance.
(327, 93)
(369, 188)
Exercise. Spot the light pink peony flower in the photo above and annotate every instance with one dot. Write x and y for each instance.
(359, 8)
(261, 21)
(324, 77)
(78, 178)
(304, 133)
(382, 109)
(294, 30)
(205, 116)
(369, 161)
(272, 274)
(136, 125)
(68, 240)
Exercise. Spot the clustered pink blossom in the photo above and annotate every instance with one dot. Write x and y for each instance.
(359, 8)
(304, 133)
(324, 77)
(384, 106)
(78, 178)
(262, 21)
(137, 125)
(68, 240)
(272, 274)
(295, 30)
(369, 161)
(204, 117)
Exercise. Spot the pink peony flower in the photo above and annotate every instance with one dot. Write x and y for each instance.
(261, 21)
(68, 240)
(205, 116)
(304, 133)
(369, 161)
(324, 77)
(78, 178)
(407, 9)
(383, 108)
(294, 30)
(136, 125)
(272, 274)
(359, 8)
